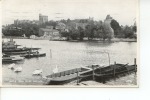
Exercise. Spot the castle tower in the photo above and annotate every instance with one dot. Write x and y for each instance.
(43, 19)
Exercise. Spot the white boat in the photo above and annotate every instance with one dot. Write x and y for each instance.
(18, 69)
(37, 72)
(11, 66)
(55, 70)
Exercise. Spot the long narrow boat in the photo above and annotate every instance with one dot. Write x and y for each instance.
(16, 53)
(66, 76)
(18, 50)
(34, 55)
(11, 59)
(112, 71)
(10, 48)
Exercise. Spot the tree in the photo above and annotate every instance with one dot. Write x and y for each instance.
(81, 33)
(128, 32)
(103, 34)
(50, 23)
(68, 20)
(116, 27)
(12, 31)
(88, 31)
(134, 29)
(74, 34)
(63, 21)
(108, 32)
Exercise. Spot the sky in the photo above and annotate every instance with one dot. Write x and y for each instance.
(124, 11)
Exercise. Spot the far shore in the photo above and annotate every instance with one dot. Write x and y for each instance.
(85, 39)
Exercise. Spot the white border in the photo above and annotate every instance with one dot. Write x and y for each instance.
(90, 86)
(141, 93)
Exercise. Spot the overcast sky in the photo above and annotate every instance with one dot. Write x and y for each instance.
(124, 11)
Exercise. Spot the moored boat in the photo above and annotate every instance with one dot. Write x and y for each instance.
(11, 48)
(103, 74)
(66, 76)
(33, 55)
(94, 72)
(9, 44)
(18, 50)
(11, 59)
(18, 69)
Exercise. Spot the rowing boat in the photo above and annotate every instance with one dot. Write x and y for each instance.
(66, 76)
(32, 55)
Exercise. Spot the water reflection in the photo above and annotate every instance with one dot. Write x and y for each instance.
(95, 43)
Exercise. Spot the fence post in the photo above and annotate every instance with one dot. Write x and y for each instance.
(114, 71)
(93, 73)
(50, 53)
(108, 58)
(77, 78)
(135, 65)
(134, 61)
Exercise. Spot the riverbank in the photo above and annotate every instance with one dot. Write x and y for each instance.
(130, 80)
(14, 37)
(100, 40)
(124, 40)
(84, 40)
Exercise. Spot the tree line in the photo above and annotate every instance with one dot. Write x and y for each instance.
(98, 31)
(92, 30)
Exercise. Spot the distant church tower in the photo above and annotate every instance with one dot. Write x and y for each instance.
(43, 19)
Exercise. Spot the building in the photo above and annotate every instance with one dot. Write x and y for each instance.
(43, 19)
(60, 26)
(49, 33)
(17, 22)
(50, 27)
(83, 22)
(87, 20)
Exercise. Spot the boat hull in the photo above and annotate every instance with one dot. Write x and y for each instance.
(18, 49)
(34, 55)
(104, 74)
(66, 76)
(7, 61)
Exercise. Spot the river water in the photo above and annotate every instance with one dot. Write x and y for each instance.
(67, 55)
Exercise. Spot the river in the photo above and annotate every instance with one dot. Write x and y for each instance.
(67, 55)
